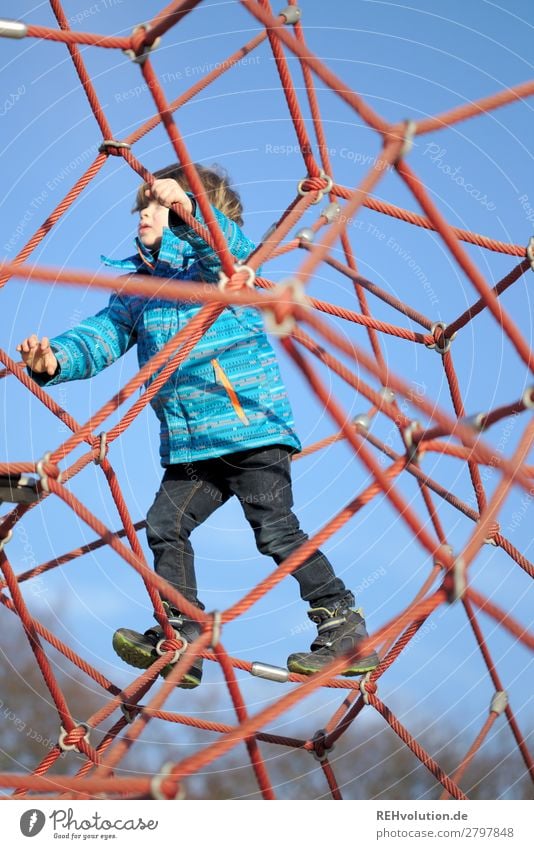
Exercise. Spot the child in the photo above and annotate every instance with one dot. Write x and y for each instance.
(226, 424)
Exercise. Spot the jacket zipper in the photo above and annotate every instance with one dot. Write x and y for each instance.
(222, 378)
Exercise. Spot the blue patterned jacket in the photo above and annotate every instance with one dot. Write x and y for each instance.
(228, 395)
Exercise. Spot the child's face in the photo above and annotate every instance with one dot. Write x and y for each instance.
(152, 219)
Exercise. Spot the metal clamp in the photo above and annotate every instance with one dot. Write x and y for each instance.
(530, 252)
(129, 715)
(177, 652)
(251, 276)
(477, 421)
(363, 689)
(285, 327)
(528, 398)
(112, 143)
(102, 448)
(216, 616)
(5, 540)
(331, 211)
(410, 129)
(362, 421)
(318, 741)
(459, 580)
(12, 29)
(412, 448)
(270, 672)
(42, 474)
(155, 784)
(499, 702)
(291, 14)
(387, 394)
(320, 192)
(147, 48)
(444, 346)
(71, 747)
(306, 235)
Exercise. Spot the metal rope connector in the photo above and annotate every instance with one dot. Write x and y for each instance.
(477, 421)
(147, 48)
(216, 616)
(112, 144)
(155, 784)
(5, 540)
(292, 14)
(410, 129)
(459, 581)
(363, 687)
(128, 714)
(528, 398)
(320, 192)
(412, 447)
(331, 212)
(442, 346)
(12, 29)
(251, 276)
(295, 287)
(270, 672)
(177, 652)
(42, 474)
(362, 421)
(387, 394)
(71, 747)
(499, 702)
(306, 235)
(320, 750)
(102, 448)
(530, 252)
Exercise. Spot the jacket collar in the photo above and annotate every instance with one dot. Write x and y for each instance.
(173, 254)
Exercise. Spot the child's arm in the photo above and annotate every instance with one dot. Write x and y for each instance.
(85, 349)
(167, 192)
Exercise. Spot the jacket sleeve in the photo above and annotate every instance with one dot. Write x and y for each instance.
(92, 345)
(208, 260)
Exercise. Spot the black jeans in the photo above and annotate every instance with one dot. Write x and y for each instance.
(261, 479)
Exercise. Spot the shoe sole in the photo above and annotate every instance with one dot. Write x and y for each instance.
(127, 646)
(366, 664)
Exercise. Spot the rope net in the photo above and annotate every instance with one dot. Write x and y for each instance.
(293, 316)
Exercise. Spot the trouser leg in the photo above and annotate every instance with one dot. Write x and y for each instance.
(261, 479)
(188, 495)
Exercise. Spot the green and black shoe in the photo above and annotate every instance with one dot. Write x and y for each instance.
(340, 629)
(140, 650)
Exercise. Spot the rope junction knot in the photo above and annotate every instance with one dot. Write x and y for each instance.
(136, 54)
(493, 530)
(322, 185)
(441, 342)
(178, 646)
(243, 276)
(156, 785)
(113, 147)
(320, 749)
(46, 469)
(367, 687)
(69, 741)
(100, 445)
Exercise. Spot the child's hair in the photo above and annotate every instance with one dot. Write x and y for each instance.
(216, 185)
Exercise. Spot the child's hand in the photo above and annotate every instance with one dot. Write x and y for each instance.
(167, 192)
(38, 355)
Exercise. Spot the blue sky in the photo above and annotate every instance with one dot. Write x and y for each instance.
(407, 61)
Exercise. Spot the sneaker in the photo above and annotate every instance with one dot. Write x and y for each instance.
(140, 650)
(340, 629)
